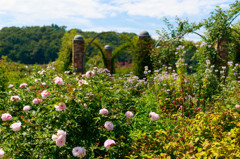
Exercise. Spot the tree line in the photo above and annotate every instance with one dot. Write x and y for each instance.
(41, 44)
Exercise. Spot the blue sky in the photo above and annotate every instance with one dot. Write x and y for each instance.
(105, 15)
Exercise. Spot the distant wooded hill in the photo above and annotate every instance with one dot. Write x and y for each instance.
(35, 44)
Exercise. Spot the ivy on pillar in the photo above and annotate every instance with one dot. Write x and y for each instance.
(142, 54)
(78, 55)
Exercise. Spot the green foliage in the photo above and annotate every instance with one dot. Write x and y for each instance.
(64, 60)
(122, 70)
(120, 50)
(97, 44)
(141, 57)
(113, 39)
(96, 47)
(42, 45)
(165, 53)
(220, 34)
(83, 124)
(197, 115)
(116, 53)
(94, 61)
(169, 40)
(190, 48)
(31, 45)
(236, 43)
(209, 135)
(3, 74)
(12, 71)
(201, 57)
(178, 32)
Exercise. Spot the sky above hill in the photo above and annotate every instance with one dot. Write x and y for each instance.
(106, 15)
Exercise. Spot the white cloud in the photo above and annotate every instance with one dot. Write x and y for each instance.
(130, 15)
(28, 10)
(63, 9)
(162, 8)
(224, 6)
(1, 12)
(111, 28)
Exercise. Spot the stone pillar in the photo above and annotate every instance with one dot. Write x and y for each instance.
(142, 55)
(108, 50)
(78, 57)
(223, 52)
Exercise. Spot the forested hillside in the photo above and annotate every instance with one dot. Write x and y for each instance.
(41, 45)
(31, 45)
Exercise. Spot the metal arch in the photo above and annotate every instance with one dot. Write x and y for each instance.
(89, 44)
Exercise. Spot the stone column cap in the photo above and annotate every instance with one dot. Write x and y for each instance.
(107, 47)
(143, 34)
(78, 38)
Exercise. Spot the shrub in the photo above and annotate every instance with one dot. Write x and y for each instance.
(3, 74)
(141, 57)
(209, 135)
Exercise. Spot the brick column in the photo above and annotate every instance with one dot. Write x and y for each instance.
(78, 57)
(108, 50)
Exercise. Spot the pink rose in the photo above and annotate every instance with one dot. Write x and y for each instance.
(54, 137)
(108, 125)
(26, 108)
(60, 107)
(43, 84)
(85, 105)
(129, 114)
(60, 142)
(16, 126)
(61, 132)
(1, 153)
(15, 98)
(108, 143)
(6, 117)
(79, 152)
(89, 73)
(23, 85)
(154, 116)
(37, 101)
(10, 86)
(60, 138)
(82, 82)
(44, 94)
(58, 81)
(37, 80)
(43, 72)
(237, 106)
(103, 111)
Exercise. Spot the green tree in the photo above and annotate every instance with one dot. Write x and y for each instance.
(236, 47)
(31, 45)
(165, 50)
(64, 60)
(220, 33)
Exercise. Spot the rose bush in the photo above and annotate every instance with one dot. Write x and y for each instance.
(113, 116)
(89, 113)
